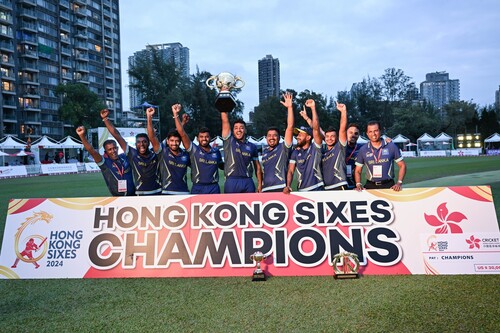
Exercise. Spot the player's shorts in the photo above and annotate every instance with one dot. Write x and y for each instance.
(239, 185)
(205, 189)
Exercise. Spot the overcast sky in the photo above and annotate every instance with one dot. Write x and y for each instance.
(325, 46)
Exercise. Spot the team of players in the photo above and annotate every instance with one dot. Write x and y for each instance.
(163, 169)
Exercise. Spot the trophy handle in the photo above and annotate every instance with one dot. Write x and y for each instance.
(238, 79)
(209, 80)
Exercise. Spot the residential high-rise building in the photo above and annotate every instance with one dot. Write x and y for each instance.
(439, 90)
(172, 52)
(269, 77)
(45, 43)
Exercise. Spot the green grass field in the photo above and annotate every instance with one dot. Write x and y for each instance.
(460, 303)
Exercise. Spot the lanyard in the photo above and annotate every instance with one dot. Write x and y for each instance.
(352, 153)
(379, 153)
(120, 172)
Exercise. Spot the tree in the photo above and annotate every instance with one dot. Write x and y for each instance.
(488, 122)
(414, 120)
(395, 85)
(460, 117)
(80, 106)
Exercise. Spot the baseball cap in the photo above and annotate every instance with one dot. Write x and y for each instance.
(307, 130)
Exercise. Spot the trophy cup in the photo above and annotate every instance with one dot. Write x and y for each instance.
(349, 268)
(225, 82)
(258, 273)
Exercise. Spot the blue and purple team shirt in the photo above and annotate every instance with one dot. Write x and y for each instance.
(274, 166)
(115, 171)
(204, 165)
(308, 166)
(350, 160)
(379, 163)
(333, 166)
(238, 157)
(145, 171)
(173, 170)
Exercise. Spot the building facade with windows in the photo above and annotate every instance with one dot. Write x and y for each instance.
(175, 53)
(44, 43)
(269, 78)
(439, 90)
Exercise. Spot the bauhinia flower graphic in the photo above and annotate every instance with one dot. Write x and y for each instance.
(473, 242)
(447, 223)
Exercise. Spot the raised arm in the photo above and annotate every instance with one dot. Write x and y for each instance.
(151, 132)
(308, 120)
(112, 130)
(317, 137)
(226, 126)
(95, 155)
(343, 123)
(186, 141)
(288, 97)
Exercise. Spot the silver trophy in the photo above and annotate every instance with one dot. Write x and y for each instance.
(258, 273)
(224, 83)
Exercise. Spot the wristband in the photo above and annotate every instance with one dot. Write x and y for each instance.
(400, 182)
(177, 116)
(104, 119)
(359, 184)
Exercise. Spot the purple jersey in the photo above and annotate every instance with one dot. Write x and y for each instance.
(238, 158)
(350, 160)
(379, 163)
(204, 165)
(173, 169)
(274, 167)
(308, 165)
(333, 166)
(114, 171)
(145, 171)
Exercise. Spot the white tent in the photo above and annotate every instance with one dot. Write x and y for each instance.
(218, 141)
(400, 139)
(493, 138)
(253, 140)
(443, 141)
(69, 142)
(46, 142)
(11, 142)
(362, 140)
(424, 142)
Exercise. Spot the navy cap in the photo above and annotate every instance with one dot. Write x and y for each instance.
(307, 130)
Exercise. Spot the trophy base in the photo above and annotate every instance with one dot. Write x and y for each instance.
(346, 276)
(225, 102)
(259, 277)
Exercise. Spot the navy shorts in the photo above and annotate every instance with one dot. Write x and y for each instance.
(205, 188)
(239, 185)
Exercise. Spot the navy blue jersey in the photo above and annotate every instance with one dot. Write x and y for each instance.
(274, 167)
(333, 166)
(308, 166)
(204, 165)
(173, 170)
(145, 172)
(379, 162)
(350, 160)
(115, 171)
(239, 156)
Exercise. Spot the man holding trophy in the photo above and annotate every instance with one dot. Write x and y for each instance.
(240, 155)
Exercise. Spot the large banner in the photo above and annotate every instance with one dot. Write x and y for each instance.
(450, 230)
(13, 171)
(55, 168)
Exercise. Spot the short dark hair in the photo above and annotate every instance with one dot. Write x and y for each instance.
(173, 133)
(373, 122)
(240, 121)
(353, 125)
(203, 130)
(142, 135)
(330, 129)
(273, 128)
(109, 142)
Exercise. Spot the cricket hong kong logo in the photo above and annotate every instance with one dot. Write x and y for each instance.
(473, 242)
(30, 248)
(444, 221)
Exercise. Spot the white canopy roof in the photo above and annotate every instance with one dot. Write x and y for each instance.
(362, 140)
(400, 139)
(493, 138)
(46, 142)
(69, 142)
(443, 137)
(426, 137)
(11, 142)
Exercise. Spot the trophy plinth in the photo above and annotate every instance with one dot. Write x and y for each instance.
(224, 83)
(258, 273)
(349, 267)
